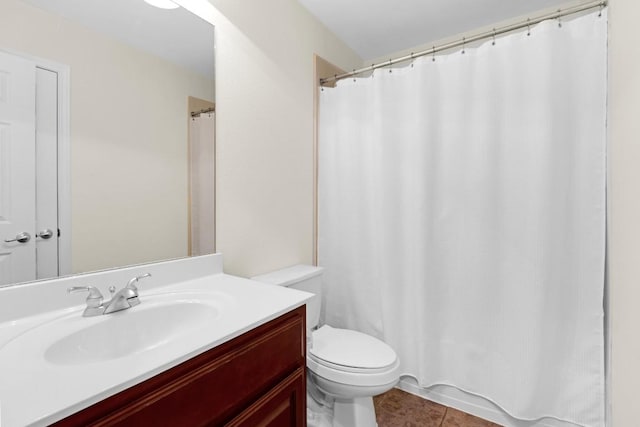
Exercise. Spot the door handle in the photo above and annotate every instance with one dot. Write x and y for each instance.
(23, 237)
(45, 234)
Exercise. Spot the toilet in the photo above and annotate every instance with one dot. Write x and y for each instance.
(345, 368)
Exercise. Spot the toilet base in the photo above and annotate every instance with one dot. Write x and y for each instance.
(319, 407)
(324, 410)
(358, 411)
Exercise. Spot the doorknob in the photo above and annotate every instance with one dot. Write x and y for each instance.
(45, 234)
(23, 237)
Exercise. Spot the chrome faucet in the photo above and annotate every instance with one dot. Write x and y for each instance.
(125, 298)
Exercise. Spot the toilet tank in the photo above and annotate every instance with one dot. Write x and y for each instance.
(301, 277)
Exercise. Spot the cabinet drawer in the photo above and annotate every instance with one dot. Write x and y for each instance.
(284, 406)
(211, 388)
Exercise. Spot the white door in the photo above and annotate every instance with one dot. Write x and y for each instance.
(46, 227)
(17, 169)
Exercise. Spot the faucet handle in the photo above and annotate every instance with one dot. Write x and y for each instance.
(94, 299)
(131, 283)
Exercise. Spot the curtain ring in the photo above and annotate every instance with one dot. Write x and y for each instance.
(601, 7)
(559, 19)
(433, 53)
(528, 27)
(354, 75)
(493, 42)
(411, 59)
(463, 42)
(390, 70)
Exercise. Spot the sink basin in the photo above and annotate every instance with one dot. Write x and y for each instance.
(167, 320)
(128, 332)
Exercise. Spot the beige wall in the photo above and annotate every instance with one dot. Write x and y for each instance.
(128, 139)
(624, 210)
(264, 135)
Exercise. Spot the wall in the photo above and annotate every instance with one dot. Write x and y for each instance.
(624, 210)
(264, 136)
(128, 139)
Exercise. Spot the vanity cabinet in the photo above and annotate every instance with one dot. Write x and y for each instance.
(256, 379)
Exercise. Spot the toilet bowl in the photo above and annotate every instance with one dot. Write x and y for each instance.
(345, 368)
(350, 367)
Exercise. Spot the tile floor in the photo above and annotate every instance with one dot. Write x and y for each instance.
(397, 408)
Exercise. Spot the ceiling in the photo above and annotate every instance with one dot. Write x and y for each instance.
(175, 35)
(375, 28)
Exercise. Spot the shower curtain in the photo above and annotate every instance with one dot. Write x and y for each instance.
(202, 183)
(462, 217)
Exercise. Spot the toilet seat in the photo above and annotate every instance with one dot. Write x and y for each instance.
(351, 349)
(350, 357)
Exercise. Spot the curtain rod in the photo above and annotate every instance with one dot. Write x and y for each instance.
(205, 111)
(465, 40)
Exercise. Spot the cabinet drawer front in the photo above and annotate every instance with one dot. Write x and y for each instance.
(284, 406)
(211, 388)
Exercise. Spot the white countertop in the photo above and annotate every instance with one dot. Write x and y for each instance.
(34, 391)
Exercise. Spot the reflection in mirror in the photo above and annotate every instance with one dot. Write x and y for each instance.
(104, 159)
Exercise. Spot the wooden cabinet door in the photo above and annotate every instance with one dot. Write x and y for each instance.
(284, 406)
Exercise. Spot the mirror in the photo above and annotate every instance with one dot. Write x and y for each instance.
(132, 178)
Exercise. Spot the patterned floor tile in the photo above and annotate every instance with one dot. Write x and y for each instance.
(397, 408)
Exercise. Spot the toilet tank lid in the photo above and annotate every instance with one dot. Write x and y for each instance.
(289, 275)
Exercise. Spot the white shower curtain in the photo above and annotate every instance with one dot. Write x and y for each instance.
(202, 183)
(462, 217)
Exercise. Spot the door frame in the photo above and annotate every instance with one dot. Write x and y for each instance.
(64, 155)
